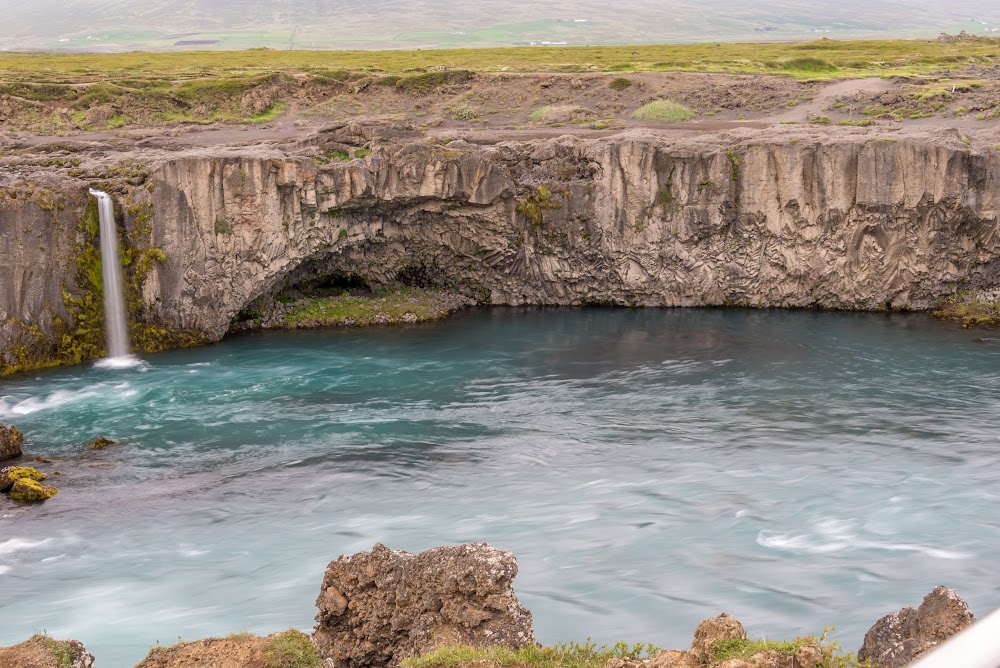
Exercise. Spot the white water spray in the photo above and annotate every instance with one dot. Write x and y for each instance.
(114, 304)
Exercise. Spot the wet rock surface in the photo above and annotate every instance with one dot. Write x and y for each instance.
(900, 637)
(377, 608)
(11, 441)
(24, 483)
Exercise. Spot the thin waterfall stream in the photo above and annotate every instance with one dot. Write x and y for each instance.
(114, 303)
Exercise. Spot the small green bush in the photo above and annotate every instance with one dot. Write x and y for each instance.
(809, 65)
(292, 649)
(619, 83)
(663, 111)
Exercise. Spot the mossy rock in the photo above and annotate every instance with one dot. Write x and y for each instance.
(11, 474)
(30, 490)
(99, 443)
(10, 442)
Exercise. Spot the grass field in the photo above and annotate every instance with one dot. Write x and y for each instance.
(823, 59)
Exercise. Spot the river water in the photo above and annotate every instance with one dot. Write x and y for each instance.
(649, 468)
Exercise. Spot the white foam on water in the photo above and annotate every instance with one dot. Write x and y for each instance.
(837, 535)
(4, 569)
(122, 362)
(12, 406)
(14, 545)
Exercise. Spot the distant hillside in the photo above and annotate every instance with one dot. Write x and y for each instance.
(121, 25)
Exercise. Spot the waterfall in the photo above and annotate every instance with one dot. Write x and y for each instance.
(114, 303)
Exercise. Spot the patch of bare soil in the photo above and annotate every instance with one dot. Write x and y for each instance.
(235, 651)
(486, 108)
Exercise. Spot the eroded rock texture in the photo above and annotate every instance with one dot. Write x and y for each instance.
(796, 217)
(377, 608)
(10, 442)
(900, 637)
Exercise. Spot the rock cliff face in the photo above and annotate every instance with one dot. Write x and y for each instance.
(833, 218)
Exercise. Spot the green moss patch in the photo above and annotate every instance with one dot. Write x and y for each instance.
(398, 305)
(969, 311)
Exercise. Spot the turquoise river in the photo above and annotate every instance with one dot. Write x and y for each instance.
(649, 468)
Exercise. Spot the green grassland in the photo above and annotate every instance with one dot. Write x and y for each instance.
(822, 59)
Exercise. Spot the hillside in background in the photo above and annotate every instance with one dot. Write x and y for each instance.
(122, 25)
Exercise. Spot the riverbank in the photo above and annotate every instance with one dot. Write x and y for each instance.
(454, 606)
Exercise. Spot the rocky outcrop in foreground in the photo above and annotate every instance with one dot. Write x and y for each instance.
(900, 637)
(454, 607)
(377, 608)
(41, 651)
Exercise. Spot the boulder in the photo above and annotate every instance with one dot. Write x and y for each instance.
(711, 631)
(377, 608)
(900, 637)
(26, 489)
(239, 650)
(11, 474)
(41, 651)
(10, 442)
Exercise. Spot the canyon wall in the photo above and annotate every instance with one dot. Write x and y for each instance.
(835, 218)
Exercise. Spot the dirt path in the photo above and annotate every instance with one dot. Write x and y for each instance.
(819, 105)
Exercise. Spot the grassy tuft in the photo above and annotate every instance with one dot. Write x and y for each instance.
(619, 83)
(566, 655)
(292, 649)
(809, 64)
(663, 111)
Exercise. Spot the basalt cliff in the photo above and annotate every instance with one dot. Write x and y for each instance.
(837, 218)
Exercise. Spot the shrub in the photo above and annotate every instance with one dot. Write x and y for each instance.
(619, 83)
(663, 111)
(809, 65)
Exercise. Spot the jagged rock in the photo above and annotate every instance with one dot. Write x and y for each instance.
(10, 442)
(711, 631)
(43, 652)
(11, 474)
(900, 637)
(240, 650)
(377, 608)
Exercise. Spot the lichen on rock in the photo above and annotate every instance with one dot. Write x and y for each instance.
(11, 474)
(29, 490)
(377, 608)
